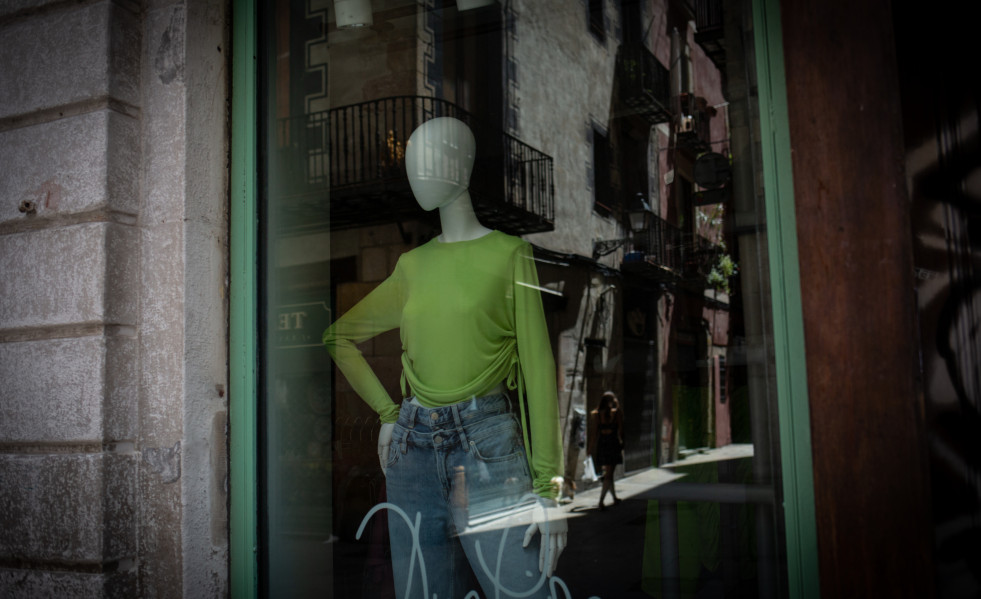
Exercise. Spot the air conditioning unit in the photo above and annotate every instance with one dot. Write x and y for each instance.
(687, 124)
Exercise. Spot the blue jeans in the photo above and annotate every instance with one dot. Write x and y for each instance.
(460, 480)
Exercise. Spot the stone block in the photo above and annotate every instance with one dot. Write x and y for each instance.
(31, 584)
(119, 505)
(164, 122)
(206, 50)
(122, 274)
(53, 276)
(125, 47)
(160, 540)
(59, 57)
(122, 387)
(219, 479)
(71, 165)
(53, 390)
(161, 330)
(203, 451)
(10, 7)
(68, 508)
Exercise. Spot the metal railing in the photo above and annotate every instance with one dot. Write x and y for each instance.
(661, 244)
(675, 252)
(645, 84)
(710, 30)
(708, 16)
(363, 145)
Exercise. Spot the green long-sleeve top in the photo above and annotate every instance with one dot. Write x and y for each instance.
(470, 316)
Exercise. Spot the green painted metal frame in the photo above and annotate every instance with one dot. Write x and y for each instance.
(798, 486)
(243, 308)
(788, 319)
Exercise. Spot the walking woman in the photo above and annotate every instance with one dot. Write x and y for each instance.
(606, 444)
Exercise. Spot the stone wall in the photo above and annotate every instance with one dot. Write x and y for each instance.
(113, 252)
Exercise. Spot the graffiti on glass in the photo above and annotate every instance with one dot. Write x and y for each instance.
(556, 584)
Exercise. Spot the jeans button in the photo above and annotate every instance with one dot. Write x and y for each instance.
(438, 439)
(434, 416)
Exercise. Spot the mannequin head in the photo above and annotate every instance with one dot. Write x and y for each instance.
(438, 160)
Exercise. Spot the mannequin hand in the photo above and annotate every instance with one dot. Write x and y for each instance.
(384, 443)
(549, 520)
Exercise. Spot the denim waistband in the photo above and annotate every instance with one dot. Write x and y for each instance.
(455, 417)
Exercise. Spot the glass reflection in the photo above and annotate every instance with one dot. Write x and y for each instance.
(578, 110)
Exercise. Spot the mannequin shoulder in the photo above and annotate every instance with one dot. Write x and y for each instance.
(511, 240)
(415, 254)
(510, 244)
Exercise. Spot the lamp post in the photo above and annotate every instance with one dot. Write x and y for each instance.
(639, 216)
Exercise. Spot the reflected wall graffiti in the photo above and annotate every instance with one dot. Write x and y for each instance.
(941, 114)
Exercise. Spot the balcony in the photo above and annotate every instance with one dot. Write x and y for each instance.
(693, 128)
(663, 253)
(656, 253)
(345, 167)
(710, 30)
(643, 84)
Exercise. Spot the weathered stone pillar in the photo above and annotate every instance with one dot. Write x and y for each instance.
(113, 230)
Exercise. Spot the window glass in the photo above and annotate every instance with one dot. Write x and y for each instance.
(553, 299)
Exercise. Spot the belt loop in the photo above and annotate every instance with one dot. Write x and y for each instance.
(413, 408)
(455, 408)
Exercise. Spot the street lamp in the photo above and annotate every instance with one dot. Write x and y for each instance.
(639, 216)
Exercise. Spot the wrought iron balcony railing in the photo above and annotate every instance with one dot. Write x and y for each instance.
(709, 30)
(355, 155)
(644, 83)
(665, 253)
(656, 252)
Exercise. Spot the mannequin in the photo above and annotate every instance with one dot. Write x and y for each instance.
(501, 335)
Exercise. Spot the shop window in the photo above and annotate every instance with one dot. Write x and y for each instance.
(689, 440)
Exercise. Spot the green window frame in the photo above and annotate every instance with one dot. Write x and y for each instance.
(788, 318)
(243, 309)
(788, 327)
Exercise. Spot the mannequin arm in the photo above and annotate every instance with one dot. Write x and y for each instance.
(538, 369)
(385, 444)
(376, 313)
(548, 520)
